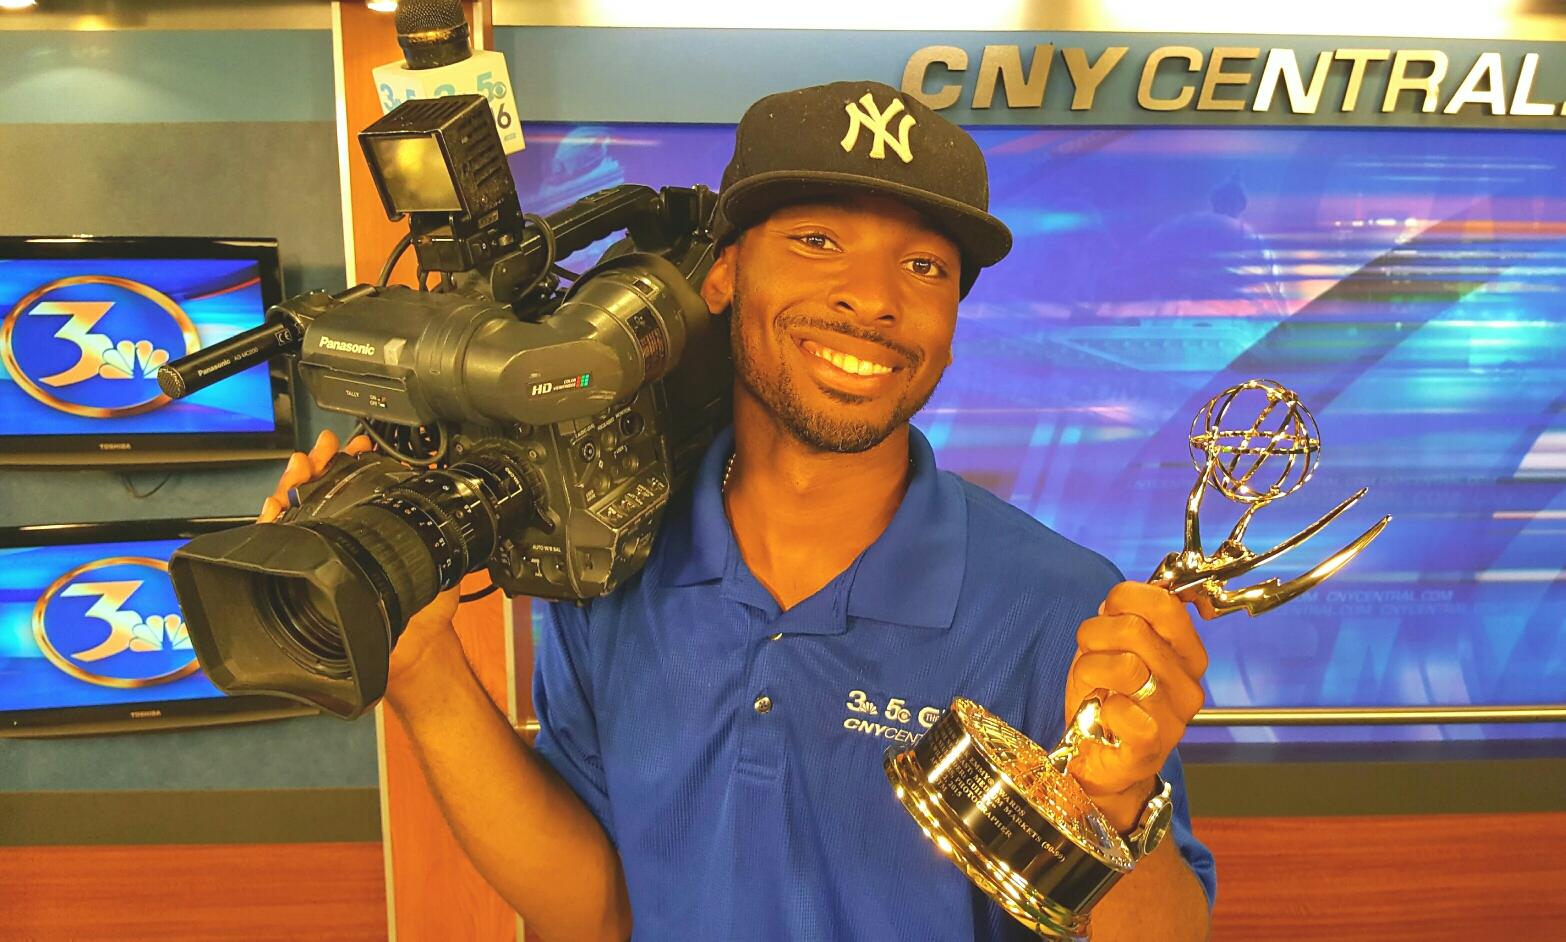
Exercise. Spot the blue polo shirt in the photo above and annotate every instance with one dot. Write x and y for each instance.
(733, 751)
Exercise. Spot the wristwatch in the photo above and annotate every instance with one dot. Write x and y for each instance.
(1154, 823)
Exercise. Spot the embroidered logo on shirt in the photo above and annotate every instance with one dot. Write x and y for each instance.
(896, 710)
(873, 118)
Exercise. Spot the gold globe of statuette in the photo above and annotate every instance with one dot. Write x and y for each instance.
(1283, 433)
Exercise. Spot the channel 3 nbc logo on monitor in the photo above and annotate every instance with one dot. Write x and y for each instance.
(115, 622)
(91, 345)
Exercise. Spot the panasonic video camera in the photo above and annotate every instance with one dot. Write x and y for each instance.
(524, 427)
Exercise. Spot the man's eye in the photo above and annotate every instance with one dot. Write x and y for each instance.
(928, 267)
(816, 240)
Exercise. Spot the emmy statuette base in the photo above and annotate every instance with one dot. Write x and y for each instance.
(1033, 910)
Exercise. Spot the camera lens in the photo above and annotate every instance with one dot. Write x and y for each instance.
(312, 608)
(305, 631)
(458, 513)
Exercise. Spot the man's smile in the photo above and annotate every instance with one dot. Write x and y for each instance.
(846, 362)
(848, 365)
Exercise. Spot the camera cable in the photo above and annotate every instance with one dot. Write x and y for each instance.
(547, 233)
(475, 596)
(383, 441)
(393, 258)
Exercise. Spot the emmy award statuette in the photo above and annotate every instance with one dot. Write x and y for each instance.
(1003, 808)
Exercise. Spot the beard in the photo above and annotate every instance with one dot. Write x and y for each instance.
(782, 397)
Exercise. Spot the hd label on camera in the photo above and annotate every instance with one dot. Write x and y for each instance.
(579, 381)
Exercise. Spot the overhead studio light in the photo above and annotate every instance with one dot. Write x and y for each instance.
(24, 4)
(376, 6)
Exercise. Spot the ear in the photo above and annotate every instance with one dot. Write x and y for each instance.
(717, 289)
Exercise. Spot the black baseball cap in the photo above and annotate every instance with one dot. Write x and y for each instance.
(862, 137)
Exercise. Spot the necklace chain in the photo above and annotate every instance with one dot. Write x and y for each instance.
(728, 471)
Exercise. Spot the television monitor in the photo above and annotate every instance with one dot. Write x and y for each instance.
(91, 637)
(85, 322)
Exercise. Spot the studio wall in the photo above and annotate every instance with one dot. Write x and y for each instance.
(192, 132)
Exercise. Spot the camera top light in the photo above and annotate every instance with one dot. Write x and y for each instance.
(438, 155)
(439, 161)
(414, 176)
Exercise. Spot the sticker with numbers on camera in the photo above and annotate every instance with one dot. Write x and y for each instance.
(484, 73)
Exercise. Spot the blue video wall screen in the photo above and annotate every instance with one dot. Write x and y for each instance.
(1410, 285)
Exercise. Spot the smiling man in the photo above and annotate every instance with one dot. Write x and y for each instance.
(709, 760)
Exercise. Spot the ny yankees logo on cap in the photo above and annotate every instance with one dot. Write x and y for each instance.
(877, 120)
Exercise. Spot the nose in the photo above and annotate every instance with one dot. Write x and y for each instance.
(867, 291)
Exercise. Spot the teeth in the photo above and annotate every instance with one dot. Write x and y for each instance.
(849, 363)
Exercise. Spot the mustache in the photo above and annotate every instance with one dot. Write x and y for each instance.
(908, 354)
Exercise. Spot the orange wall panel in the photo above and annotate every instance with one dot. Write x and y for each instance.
(1431, 878)
(185, 893)
(436, 893)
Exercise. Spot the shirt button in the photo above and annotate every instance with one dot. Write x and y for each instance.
(763, 704)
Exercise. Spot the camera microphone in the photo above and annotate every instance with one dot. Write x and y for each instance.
(432, 33)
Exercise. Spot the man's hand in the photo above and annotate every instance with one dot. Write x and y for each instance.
(426, 640)
(1140, 630)
(304, 468)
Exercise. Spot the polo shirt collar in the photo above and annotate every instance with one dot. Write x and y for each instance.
(696, 536)
(911, 575)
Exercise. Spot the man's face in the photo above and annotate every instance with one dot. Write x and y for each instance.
(842, 316)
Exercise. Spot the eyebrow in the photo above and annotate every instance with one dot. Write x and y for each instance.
(841, 202)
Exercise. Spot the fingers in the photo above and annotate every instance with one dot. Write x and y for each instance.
(325, 447)
(1178, 690)
(304, 467)
(1115, 671)
(295, 473)
(1165, 614)
(1141, 632)
(1139, 755)
(438, 612)
(1200, 597)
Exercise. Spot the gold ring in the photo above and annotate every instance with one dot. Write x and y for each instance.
(1148, 688)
